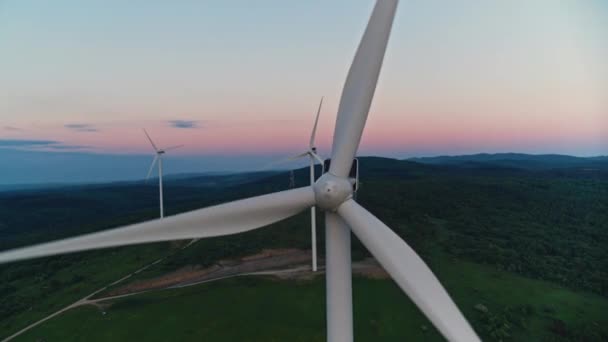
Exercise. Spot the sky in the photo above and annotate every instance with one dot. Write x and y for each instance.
(238, 82)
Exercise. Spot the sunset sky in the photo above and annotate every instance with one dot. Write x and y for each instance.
(243, 78)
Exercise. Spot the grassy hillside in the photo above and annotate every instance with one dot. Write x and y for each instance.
(30, 291)
(254, 309)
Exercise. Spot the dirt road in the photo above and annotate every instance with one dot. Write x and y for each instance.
(295, 265)
(80, 302)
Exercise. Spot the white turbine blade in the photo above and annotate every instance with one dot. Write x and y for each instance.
(317, 157)
(360, 86)
(314, 128)
(296, 157)
(172, 147)
(285, 160)
(409, 271)
(150, 139)
(152, 166)
(224, 219)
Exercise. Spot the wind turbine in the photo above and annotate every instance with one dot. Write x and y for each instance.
(158, 158)
(332, 192)
(311, 153)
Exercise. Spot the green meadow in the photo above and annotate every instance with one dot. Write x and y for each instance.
(35, 289)
(265, 309)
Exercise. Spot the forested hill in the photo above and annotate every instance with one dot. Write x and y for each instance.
(518, 160)
(542, 223)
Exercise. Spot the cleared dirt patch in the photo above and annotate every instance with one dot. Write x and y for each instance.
(265, 260)
(293, 264)
(370, 268)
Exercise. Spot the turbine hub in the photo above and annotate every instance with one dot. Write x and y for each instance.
(331, 191)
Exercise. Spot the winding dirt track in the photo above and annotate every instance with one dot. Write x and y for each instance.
(80, 302)
(248, 266)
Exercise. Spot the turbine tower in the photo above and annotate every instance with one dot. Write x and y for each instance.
(158, 159)
(292, 179)
(332, 192)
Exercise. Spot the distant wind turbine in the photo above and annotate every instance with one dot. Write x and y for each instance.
(158, 158)
(311, 153)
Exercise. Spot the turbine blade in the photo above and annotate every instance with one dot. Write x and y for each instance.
(409, 271)
(314, 128)
(317, 157)
(152, 166)
(224, 219)
(172, 147)
(285, 160)
(296, 157)
(150, 139)
(359, 87)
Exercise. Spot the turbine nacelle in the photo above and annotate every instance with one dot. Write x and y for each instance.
(331, 191)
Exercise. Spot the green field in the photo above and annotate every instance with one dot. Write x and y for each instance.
(43, 287)
(258, 309)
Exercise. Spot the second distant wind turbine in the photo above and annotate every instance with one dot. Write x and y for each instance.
(313, 156)
(158, 158)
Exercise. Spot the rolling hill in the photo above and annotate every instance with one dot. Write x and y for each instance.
(518, 160)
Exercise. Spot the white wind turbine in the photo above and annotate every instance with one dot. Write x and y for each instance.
(311, 153)
(332, 192)
(158, 157)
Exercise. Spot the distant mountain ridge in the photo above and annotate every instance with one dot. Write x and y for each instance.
(517, 160)
(389, 167)
(203, 179)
